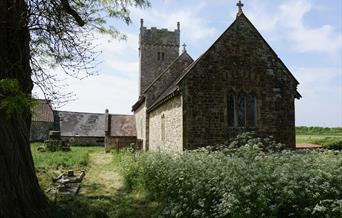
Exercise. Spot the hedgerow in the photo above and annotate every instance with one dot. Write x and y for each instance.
(247, 182)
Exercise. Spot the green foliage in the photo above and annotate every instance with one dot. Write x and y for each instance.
(76, 158)
(252, 139)
(13, 101)
(330, 143)
(243, 183)
(101, 193)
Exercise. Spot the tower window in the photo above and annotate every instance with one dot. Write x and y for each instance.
(161, 56)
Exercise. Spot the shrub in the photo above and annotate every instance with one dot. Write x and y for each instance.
(253, 139)
(243, 183)
(331, 143)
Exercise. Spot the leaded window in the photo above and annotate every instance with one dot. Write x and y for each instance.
(251, 110)
(231, 110)
(241, 110)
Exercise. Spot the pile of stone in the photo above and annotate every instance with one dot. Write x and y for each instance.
(55, 143)
(69, 183)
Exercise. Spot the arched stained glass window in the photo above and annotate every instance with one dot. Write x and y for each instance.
(251, 110)
(241, 110)
(230, 111)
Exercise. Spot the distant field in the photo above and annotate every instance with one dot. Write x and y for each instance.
(314, 139)
(317, 135)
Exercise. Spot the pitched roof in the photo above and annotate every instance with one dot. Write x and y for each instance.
(241, 16)
(170, 92)
(163, 82)
(42, 112)
(173, 88)
(138, 103)
(80, 124)
(181, 57)
(122, 125)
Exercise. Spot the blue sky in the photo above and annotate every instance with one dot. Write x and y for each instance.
(306, 34)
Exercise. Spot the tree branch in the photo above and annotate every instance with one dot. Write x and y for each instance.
(68, 9)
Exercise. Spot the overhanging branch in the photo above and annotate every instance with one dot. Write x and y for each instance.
(68, 9)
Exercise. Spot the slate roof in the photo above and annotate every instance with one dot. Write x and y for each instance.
(167, 85)
(178, 64)
(42, 112)
(80, 124)
(83, 124)
(122, 125)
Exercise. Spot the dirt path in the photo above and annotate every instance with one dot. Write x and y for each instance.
(102, 193)
(102, 178)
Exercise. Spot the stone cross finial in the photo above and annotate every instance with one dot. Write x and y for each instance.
(240, 5)
(184, 47)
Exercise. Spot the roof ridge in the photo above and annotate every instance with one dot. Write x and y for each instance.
(164, 71)
(198, 59)
(272, 50)
(242, 15)
(126, 115)
(79, 112)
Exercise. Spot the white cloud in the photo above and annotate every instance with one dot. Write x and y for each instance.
(319, 81)
(321, 104)
(287, 22)
(116, 86)
(194, 27)
(95, 94)
(321, 39)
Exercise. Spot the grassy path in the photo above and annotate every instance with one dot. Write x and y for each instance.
(102, 194)
(102, 178)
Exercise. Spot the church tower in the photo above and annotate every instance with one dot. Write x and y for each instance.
(158, 48)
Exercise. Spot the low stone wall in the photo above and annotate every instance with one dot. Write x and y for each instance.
(117, 143)
(84, 141)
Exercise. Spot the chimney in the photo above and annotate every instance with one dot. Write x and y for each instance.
(107, 123)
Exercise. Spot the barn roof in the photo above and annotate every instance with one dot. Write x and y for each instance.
(122, 125)
(42, 112)
(80, 124)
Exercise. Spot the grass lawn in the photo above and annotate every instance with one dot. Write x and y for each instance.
(102, 192)
(317, 135)
(315, 139)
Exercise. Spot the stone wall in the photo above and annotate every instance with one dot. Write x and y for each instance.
(40, 131)
(117, 143)
(239, 61)
(140, 121)
(173, 123)
(84, 141)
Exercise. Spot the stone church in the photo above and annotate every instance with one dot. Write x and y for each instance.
(239, 84)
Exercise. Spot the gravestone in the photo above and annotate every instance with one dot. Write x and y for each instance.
(55, 143)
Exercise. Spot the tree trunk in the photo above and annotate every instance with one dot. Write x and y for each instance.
(20, 194)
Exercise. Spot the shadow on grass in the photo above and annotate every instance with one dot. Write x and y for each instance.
(121, 204)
